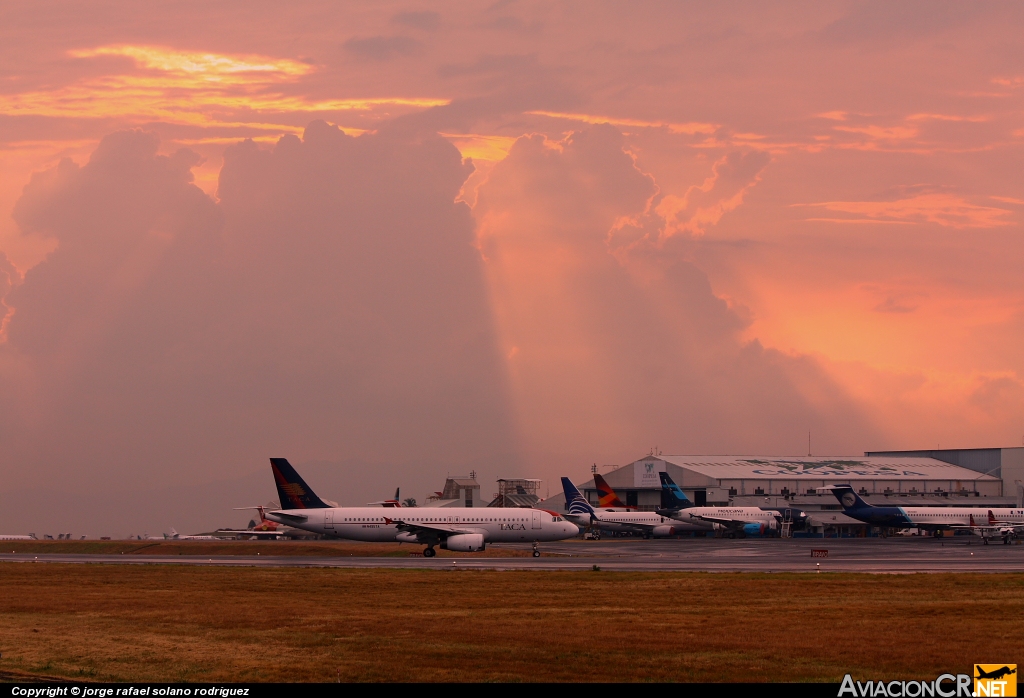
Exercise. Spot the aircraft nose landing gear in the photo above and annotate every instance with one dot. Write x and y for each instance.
(536, 553)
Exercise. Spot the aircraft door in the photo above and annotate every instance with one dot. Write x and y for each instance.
(536, 519)
(329, 518)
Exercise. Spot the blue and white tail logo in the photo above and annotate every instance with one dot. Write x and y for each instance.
(575, 503)
(672, 497)
(848, 498)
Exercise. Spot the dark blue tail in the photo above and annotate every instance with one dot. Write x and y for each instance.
(850, 500)
(672, 497)
(292, 489)
(575, 503)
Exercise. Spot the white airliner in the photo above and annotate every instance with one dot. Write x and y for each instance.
(174, 535)
(264, 530)
(737, 522)
(12, 536)
(463, 529)
(982, 521)
(584, 515)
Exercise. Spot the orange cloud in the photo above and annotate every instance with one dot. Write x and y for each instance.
(881, 132)
(208, 66)
(690, 128)
(1015, 81)
(941, 208)
(704, 205)
(199, 89)
(945, 117)
(481, 147)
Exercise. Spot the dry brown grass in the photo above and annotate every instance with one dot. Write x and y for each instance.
(320, 548)
(173, 623)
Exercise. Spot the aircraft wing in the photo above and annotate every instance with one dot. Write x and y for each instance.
(431, 528)
(722, 521)
(247, 532)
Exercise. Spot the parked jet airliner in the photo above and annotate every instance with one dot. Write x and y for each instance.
(465, 528)
(736, 521)
(174, 535)
(984, 521)
(646, 522)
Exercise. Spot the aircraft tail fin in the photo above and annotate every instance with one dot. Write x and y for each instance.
(606, 495)
(672, 497)
(292, 489)
(848, 498)
(575, 503)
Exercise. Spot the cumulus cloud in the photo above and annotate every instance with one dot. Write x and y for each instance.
(623, 351)
(704, 205)
(331, 308)
(9, 276)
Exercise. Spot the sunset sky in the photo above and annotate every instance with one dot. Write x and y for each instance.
(396, 240)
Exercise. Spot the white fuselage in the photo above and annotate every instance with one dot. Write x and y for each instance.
(371, 523)
(703, 517)
(961, 516)
(610, 520)
(16, 537)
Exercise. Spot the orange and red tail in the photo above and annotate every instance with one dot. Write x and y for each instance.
(606, 495)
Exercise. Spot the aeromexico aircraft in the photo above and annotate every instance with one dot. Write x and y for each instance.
(648, 523)
(983, 521)
(736, 521)
(465, 529)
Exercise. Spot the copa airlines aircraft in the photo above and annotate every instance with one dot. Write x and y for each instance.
(584, 515)
(466, 529)
(985, 522)
(736, 521)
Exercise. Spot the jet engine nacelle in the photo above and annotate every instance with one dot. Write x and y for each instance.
(663, 531)
(753, 529)
(465, 542)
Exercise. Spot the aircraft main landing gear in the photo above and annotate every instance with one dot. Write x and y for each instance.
(429, 552)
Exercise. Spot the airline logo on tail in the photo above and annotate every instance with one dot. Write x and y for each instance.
(848, 498)
(672, 497)
(995, 680)
(606, 496)
(575, 503)
(293, 491)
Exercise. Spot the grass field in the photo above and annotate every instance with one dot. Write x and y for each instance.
(171, 623)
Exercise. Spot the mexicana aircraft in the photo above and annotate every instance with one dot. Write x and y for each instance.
(737, 522)
(466, 529)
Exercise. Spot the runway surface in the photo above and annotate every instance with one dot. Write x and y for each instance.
(893, 556)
